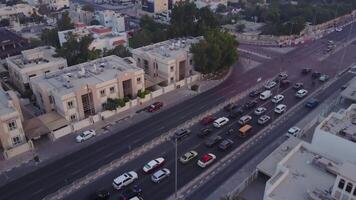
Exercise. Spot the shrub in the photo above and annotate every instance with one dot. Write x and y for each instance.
(194, 87)
(126, 99)
(143, 94)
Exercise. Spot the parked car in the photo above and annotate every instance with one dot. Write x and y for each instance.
(124, 180)
(206, 160)
(101, 195)
(278, 98)
(153, 164)
(324, 78)
(265, 95)
(220, 122)
(301, 93)
(131, 193)
(181, 133)
(280, 108)
(212, 140)
(298, 85)
(270, 85)
(250, 104)
(204, 132)
(260, 110)
(208, 120)
(285, 83)
(159, 175)
(244, 119)
(85, 135)
(294, 131)
(188, 156)
(254, 93)
(263, 119)
(225, 144)
(338, 29)
(230, 107)
(312, 103)
(282, 76)
(306, 70)
(155, 106)
(316, 74)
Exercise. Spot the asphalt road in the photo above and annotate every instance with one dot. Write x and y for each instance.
(50, 178)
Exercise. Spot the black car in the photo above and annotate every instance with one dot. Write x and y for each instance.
(254, 93)
(285, 83)
(316, 74)
(251, 104)
(225, 144)
(131, 192)
(101, 195)
(312, 103)
(182, 133)
(212, 140)
(236, 112)
(204, 132)
(229, 107)
(306, 70)
(298, 86)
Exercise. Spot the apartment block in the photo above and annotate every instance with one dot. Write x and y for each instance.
(58, 4)
(78, 15)
(166, 62)
(12, 12)
(12, 136)
(155, 6)
(104, 38)
(32, 63)
(82, 90)
(112, 19)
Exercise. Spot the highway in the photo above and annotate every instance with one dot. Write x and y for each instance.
(50, 178)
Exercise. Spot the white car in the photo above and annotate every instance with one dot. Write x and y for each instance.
(270, 85)
(244, 119)
(153, 164)
(220, 122)
(338, 29)
(294, 131)
(280, 108)
(206, 160)
(301, 93)
(263, 119)
(188, 156)
(124, 180)
(278, 98)
(85, 135)
(260, 110)
(159, 175)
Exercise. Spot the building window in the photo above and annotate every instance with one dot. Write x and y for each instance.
(354, 193)
(70, 104)
(112, 90)
(172, 68)
(190, 61)
(138, 80)
(341, 184)
(73, 117)
(138, 61)
(32, 75)
(102, 93)
(51, 100)
(16, 140)
(103, 105)
(12, 125)
(348, 187)
(172, 78)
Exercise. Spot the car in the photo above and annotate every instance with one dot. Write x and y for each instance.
(298, 85)
(312, 103)
(260, 110)
(285, 83)
(204, 132)
(330, 42)
(124, 180)
(225, 144)
(236, 112)
(188, 156)
(278, 98)
(212, 140)
(229, 107)
(136, 198)
(316, 74)
(306, 70)
(250, 104)
(85, 135)
(301, 93)
(159, 175)
(263, 119)
(181, 133)
(153, 164)
(280, 108)
(254, 93)
(131, 193)
(270, 85)
(208, 120)
(244, 119)
(324, 78)
(220, 122)
(206, 160)
(101, 195)
(282, 76)
(338, 29)
(265, 95)
(155, 106)
(294, 131)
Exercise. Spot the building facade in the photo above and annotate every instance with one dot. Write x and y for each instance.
(112, 19)
(32, 63)
(78, 15)
(11, 12)
(58, 4)
(80, 91)
(211, 4)
(155, 6)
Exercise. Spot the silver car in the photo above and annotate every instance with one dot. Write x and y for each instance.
(159, 175)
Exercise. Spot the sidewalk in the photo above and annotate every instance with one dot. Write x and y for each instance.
(49, 151)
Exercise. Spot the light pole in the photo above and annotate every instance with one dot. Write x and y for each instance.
(176, 169)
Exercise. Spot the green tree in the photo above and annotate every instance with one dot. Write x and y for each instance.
(50, 37)
(94, 22)
(120, 51)
(88, 8)
(65, 23)
(221, 8)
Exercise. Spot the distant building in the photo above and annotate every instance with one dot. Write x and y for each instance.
(112, 19)
(58, 4)
(31, 63)
(104, 38)
(212, 4)
(155, 6)
(165, 62)
(11, 43)
(78, 15)
(12, 136)
(82, 90)
(14, 12)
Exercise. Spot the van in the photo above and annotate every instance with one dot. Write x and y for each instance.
(245, 119)
(265, 95)
(244, 130)
(220, 122)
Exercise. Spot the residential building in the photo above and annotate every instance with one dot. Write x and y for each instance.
(166, 62)
(82, 90)
(11, 43)
(58, 4)
(155, 6)
(112, 19)
(78, 15)
(31, 63)
(12, 136)
(12, 12)
(212, 4)
(104, 38)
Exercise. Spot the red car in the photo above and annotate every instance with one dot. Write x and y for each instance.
(208, 120)
(155, 106)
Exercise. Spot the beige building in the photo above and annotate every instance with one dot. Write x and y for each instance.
(32, 63)
(165, 62)
(82, 90)
(12, 136)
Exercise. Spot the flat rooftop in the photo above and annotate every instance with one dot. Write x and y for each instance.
(94, 72)
(169, 49)
(350, 91)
